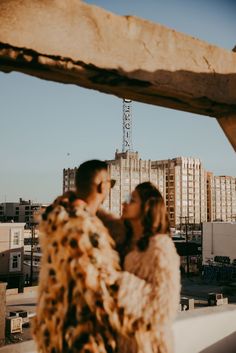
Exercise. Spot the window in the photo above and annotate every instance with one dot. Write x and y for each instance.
(16, 237)
(15, 261)
(27, 241)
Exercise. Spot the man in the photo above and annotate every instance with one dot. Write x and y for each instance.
(80, 301)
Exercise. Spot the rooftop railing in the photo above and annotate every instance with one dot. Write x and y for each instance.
(204, 330)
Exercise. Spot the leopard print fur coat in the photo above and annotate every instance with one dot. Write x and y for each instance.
(79, 298)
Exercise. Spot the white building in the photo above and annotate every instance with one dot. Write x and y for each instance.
(11, 253)
(219, 239)
(128, 170)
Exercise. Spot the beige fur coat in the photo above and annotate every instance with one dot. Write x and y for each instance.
(157, 301)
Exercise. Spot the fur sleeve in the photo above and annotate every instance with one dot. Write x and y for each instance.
(155, 298)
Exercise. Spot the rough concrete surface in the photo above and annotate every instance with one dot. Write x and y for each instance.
(72, 42)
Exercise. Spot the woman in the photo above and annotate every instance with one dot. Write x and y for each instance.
(151, 256)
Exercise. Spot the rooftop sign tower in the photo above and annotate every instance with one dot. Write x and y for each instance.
(127, 126)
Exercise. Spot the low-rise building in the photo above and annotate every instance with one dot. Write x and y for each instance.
(11, 254)
(219, 242)
(22, 211)
(219, 252)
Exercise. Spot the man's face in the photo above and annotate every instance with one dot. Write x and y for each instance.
(107, 184)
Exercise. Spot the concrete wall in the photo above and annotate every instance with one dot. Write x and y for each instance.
(210, 330)
(206, 330)
(219, 239)
(27, 290)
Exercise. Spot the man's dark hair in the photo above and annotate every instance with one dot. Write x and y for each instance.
(86, 174)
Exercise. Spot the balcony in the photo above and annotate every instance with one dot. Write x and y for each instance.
(205, 330)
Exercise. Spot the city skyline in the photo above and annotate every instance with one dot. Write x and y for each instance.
(189, 191)
(46, 126)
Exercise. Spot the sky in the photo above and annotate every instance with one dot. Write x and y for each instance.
(48, 126)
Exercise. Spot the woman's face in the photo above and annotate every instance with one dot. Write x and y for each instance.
(132, 207)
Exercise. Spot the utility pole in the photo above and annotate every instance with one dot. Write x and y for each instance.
(186, 223)
(187, 250)
(32, 252)
(201, 226)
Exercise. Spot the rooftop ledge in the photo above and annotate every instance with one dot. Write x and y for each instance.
(204, 330)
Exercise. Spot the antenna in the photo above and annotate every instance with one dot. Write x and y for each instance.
(127, 126)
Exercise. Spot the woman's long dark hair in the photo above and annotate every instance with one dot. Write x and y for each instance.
(155, 219)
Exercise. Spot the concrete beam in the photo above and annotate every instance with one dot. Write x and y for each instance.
(72, 42)
(228, 125)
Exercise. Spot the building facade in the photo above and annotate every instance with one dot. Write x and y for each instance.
(11, 253)
(221, 198)
(128, 170)
(184, 189)
(192, 195)
(32, 255)
(219, 242)
(22, 211)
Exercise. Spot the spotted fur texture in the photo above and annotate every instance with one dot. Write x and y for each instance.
(85, 301)
(74, 312)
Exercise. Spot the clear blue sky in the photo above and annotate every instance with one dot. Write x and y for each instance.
(42, 122)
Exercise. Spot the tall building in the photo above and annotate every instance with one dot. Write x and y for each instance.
(128, 170)
(221, 198)
(183, 183)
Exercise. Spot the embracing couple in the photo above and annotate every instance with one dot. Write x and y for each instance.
(106, 284)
